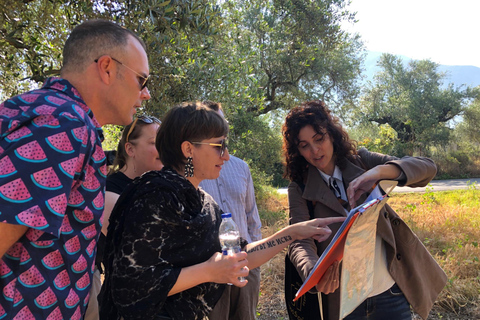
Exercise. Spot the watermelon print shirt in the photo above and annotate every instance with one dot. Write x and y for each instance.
(52, 174)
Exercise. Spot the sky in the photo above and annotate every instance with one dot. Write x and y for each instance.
(444, 31)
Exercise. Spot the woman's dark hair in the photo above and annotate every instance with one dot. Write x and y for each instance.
(189, 121)
(135, 133)
(316, 114)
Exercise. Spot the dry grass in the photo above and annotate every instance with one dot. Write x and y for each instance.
(271, 302)
(448, 223)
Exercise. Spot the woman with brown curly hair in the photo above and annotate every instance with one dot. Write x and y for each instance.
(326, 170)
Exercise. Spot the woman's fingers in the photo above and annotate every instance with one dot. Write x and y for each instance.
(323, 222)
(361, 185)
(324, 234)
(240, 281)
(336, 276)
(240, 269)
(316, 228)
(228, 268)
(330, 280)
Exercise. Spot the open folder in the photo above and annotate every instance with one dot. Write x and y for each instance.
(334, 251)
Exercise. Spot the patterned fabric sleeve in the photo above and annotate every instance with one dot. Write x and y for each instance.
(40, 160)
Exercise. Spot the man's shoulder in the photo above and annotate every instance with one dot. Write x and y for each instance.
(43, 112)
(235, 158)
(45, 101)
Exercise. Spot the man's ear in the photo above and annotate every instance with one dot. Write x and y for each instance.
(187, 149)
(105, 68)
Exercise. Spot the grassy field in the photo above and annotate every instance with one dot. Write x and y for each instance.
(447, 222)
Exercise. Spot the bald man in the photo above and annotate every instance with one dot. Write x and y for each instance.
(52, 170)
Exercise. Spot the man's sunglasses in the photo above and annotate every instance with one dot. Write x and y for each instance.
(144, 119)
(142, 80)
(223, 145)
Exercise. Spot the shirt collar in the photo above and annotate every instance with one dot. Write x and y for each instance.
(63, 86)
(337, 174)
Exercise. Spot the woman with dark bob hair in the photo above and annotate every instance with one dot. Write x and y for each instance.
(162, 258)
(326, 170)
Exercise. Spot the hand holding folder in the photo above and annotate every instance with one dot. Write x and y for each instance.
(334, 251)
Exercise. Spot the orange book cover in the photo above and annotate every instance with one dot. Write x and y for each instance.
(334, 251)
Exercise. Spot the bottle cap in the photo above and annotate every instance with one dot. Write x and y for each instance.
(226, 215)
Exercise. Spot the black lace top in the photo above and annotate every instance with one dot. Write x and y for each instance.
(159, 225)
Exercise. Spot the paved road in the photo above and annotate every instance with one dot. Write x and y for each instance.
(436, 185)
(443, 185)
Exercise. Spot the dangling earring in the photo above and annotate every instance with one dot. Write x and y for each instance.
(189, 167)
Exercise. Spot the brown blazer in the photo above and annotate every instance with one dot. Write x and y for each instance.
(411, 266)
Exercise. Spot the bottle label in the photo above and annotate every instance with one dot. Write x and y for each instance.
(230, 251)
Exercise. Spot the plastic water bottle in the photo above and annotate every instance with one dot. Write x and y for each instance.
(229, 237)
